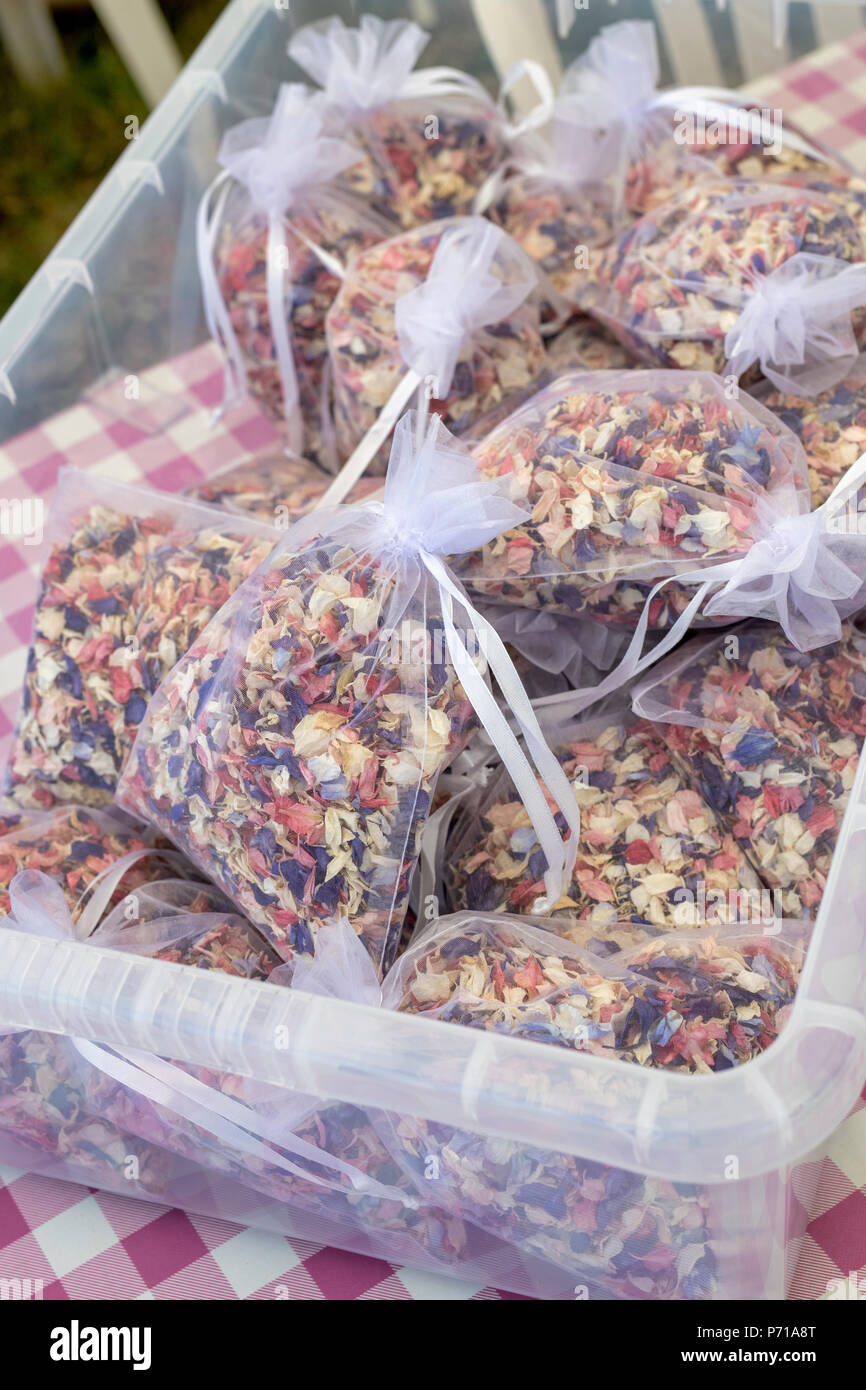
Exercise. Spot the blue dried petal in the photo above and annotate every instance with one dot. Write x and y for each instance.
(328, 894)
(665, 1028)
(194, 777)
(302, 939)
(549, 1199)
(204, 694)
(755, 747)
(459, 946)
(262, 898)
(107, 606)
(295, 876)
(135, 709)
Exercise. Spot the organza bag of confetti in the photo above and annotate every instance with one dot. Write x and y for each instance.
(772, 737)
(831, 426)
(43, 1113)
(449, 307)
(631, 476)
(86, 861)
(698, 1002)
(740, 277)
(132, 577)
(431, 137)
(275, 488)
(227, 1123)
(293, 753)
(94, 856)
(276, 231)
(652, 854)
(617, 148)
(608, 156)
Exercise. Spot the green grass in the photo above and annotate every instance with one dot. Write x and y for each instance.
(58, 144)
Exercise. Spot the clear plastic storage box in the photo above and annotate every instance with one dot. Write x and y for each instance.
(118, 295)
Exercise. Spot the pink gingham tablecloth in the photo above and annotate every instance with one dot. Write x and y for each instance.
(81, 1243)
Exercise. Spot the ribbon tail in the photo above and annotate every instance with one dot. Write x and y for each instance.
(635, 660)
(228, 1120)
(560, 857)
(101, 889)
(280, 331)
(216, 313)
(541, 113)
(363, 455)
(433, 839)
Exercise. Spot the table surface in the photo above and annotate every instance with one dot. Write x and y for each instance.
(82, 1243)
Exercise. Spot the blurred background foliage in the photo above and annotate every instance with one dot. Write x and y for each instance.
(56, 144)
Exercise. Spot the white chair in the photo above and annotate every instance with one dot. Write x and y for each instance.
(760, 31)
(137, 28)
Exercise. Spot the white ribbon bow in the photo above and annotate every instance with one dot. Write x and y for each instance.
(796, 322)
(39, 908)
(460, 296)
(360, 68)
(602, 98)
(274, 159)
(796, 573)
(371, 66)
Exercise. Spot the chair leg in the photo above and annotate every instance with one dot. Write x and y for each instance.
(424, 12)
(139, 32)
(29, 37)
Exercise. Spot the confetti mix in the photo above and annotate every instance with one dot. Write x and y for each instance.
(43, 1106)
(188, 923)
(772, 738)
(832, 427)
(414, 178)
(75, 846)
(553, 223)
(192, 924)
(293, 753)
(584, 345)
(276, 488)
(698, 1005)
(780, 162)
(427, 154)
(676, 283)
(128, 585)
(498, 362)
(651, 848)
(629, 475)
